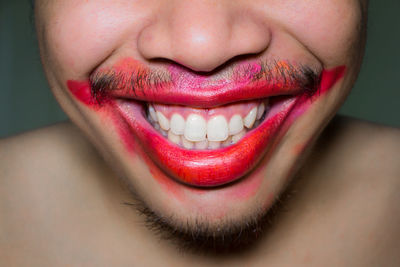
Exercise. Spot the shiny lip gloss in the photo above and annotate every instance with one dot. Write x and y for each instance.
(207, 168)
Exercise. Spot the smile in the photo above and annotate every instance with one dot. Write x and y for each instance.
(206, 128)
(208, 146)
(205, 162)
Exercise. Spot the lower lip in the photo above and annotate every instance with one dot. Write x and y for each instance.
(206, 168)
(209, 168)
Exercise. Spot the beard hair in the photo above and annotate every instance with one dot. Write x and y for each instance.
(199, 236)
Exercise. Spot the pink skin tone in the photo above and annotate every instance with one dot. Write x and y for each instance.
(207, 168)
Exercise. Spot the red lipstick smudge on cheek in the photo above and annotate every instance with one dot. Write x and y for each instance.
(330, 77)
(106, 107)
(81, 90)
(328, 80)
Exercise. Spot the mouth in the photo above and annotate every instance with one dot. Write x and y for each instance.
(207, 147)
(202, 129)
(206, 136)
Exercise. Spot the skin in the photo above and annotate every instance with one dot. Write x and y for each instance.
(126, 30)
(63, 185)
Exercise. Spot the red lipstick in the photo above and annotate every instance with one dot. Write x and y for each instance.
(206, 168)
(179, 86)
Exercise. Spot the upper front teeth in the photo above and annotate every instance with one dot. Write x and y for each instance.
(217, 128)
(195, 128)
(235, 124)
(177, 124)
(197, 132)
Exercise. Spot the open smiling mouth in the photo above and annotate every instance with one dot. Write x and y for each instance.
(214, 134)
(203, 129)
(200, 148)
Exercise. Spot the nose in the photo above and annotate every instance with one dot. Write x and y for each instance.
(203, 34)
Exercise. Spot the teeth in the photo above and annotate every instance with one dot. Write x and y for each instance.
(260, 111)
(201, 144)
(235, 124)
(187, 144)
(196, 128)
(177, 124)
(217, 128)
(173, 137)
(197, 133)
(152, 113)
(214, 144)
(163, 121)
(250, 118)
(237, 137)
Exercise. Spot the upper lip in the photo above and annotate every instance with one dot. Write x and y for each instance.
(181, 87)
(207, 97)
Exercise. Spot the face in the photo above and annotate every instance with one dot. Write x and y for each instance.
(205, 108)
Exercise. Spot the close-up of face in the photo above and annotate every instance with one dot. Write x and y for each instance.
(205, 109)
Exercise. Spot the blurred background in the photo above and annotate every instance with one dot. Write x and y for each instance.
(26, 101)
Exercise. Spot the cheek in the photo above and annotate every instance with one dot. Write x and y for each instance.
(79, 35)
(328, 29)
(76, 42)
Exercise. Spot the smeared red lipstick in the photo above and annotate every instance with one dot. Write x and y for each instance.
(181, 87)
(207, 167)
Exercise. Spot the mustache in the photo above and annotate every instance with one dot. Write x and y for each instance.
(280, 73)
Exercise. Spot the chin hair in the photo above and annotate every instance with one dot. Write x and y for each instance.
(200, 236)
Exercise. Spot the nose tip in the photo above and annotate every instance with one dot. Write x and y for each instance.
(202, 35)
(200, 49)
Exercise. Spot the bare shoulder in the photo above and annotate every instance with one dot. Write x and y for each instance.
(356, 165)
(40, 172)
(42, 158)
(360, 151)
(370, 147)
(41, 149)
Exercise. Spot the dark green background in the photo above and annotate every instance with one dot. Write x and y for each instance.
(26, 102)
